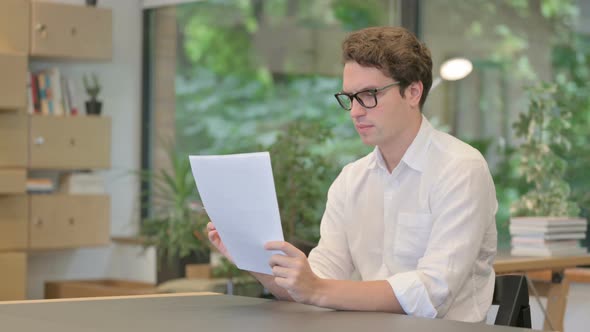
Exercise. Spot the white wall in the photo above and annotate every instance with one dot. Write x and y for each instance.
(121, 96)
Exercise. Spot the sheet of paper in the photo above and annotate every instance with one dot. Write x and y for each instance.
(239, 196)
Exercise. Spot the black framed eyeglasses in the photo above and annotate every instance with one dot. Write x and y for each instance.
(366, 98)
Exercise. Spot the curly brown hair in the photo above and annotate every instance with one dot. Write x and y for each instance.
(395, 51)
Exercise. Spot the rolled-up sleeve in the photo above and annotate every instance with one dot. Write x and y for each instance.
(331, 259)
(463, 204)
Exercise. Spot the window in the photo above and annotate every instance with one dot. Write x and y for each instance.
(231, 76)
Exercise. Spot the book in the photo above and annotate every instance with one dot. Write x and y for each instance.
(81, 183)
(57, 94)
(544, 252)
(67, 105)
(35, 93)
(70, 92)
(40, 185)
(557, 236)
(48, 92)
(548, 221)
(30, 101)
(515, 230)
(44, 105)
(542, 243)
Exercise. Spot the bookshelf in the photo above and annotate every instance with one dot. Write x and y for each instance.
(32, 30)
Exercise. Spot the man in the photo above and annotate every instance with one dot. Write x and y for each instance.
(414, 218)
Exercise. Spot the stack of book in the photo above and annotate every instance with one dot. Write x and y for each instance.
(547, 236)
(50, 93)
(40, 185)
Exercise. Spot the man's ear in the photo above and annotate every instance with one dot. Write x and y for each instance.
(414, 93)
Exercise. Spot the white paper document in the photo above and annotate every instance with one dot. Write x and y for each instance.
(238, 193)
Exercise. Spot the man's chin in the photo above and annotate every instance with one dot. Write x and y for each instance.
(367, 141)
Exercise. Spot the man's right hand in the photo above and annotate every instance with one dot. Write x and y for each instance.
(216, 241)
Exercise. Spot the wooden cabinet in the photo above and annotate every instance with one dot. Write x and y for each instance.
(53, 221)
(68, 31)
(14, 222)
(13, 81)
(14, 140)
(48, 142)
(13, 181)
(56, 143)
(13, 285)
(70, 142)
(14, 26)
(65, 221)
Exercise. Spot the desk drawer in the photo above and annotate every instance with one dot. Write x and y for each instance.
(79, 142)
(69, 221)
(13, 139)
(13, 181)
(13, 82)
(70, 31)
(14, 217)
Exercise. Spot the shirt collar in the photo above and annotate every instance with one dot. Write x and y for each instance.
(415, 155)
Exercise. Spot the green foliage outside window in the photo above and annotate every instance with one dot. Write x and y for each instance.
(176, 225)
(569, 74)
(302, 176)
(229, 103)
(571, 63)
(543, 127)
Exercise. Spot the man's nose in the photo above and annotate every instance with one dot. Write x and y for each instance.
(357, 109)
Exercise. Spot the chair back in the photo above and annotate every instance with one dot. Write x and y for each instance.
(511, 293)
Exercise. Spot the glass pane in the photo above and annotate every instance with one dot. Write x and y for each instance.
(261, 75)
(512, 45)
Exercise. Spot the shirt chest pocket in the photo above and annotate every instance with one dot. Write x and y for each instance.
(411, 235)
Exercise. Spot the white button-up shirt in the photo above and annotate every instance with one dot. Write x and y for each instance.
(428, 227)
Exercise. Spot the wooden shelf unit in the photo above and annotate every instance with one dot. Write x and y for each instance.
(31, 29)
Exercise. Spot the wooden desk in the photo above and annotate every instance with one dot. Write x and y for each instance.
(556, 288)
(213, 313)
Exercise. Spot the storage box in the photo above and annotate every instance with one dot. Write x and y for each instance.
(198, 271)
(81, 184)
(94, 288)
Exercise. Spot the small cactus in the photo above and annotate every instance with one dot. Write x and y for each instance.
(94, 89)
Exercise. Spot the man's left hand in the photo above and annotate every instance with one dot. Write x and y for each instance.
(293, 273)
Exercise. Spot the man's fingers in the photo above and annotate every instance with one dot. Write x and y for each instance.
(279, 271)
(280, 260)
(286, 261)
(210, 227)
(286, 247)
(213, 236)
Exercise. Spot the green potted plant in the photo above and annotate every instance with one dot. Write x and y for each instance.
(177, 221)
(302, 177)
(543, 128)
(92, 87)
